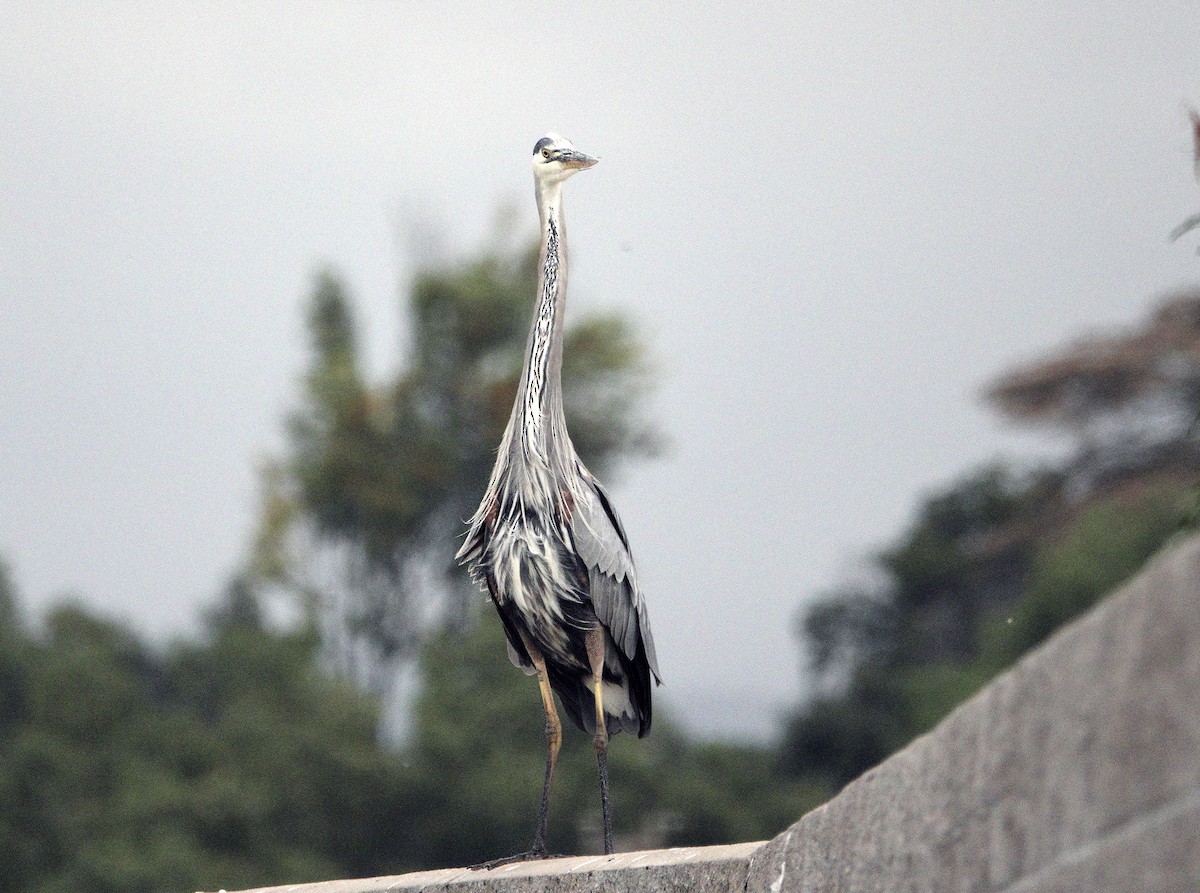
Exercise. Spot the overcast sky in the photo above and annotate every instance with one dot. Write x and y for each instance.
(834, 222)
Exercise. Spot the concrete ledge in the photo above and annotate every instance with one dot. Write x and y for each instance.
(713, 869)
(1078, 769)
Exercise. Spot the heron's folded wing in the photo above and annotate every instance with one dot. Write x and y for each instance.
(602, 545)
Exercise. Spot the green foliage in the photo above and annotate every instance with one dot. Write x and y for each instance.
(938, 556)
(12, 670)
(833, 740)
(991, 568)
(731, 792)
(928, 693)
(230, 762)
(847, 628)
(1104, 546)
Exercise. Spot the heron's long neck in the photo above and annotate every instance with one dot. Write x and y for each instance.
(541, 405)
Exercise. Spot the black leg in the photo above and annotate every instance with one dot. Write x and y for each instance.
(553, 741)
(605, 804)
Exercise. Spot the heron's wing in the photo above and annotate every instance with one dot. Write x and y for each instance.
(602, 545)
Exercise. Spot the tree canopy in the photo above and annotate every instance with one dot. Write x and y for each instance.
(1130, 401)
(996, 562)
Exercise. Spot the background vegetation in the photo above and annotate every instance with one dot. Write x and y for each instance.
(253, 754)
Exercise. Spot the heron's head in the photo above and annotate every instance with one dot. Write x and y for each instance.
(555, 159)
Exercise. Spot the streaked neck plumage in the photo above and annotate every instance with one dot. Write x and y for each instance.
(536, 464)
(539, 411)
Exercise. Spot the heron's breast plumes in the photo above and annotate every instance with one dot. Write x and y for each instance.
(536, 574)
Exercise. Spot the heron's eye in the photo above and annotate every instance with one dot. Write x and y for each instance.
(545, 153)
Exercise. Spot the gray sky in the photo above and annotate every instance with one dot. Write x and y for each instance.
(834, 221)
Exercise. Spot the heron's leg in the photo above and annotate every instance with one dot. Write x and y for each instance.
(553, 742)
(595, 651)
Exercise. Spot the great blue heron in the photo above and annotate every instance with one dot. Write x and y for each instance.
(546, 541)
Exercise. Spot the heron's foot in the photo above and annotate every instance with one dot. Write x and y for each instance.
(527, 856)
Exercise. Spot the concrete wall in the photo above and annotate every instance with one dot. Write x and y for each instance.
(1078, 770)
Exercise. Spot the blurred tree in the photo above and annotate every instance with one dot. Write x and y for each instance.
(893, 665)
(952, 564)
(1001, 559)
(12, 704)
(16, 850)
(1129, 402)
(360, 517)
(1107, 542)
(230, 762)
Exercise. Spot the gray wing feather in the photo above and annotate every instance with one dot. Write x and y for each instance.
(601, 543)
(524, 666)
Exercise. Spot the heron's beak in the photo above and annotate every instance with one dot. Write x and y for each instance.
(576, 160)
